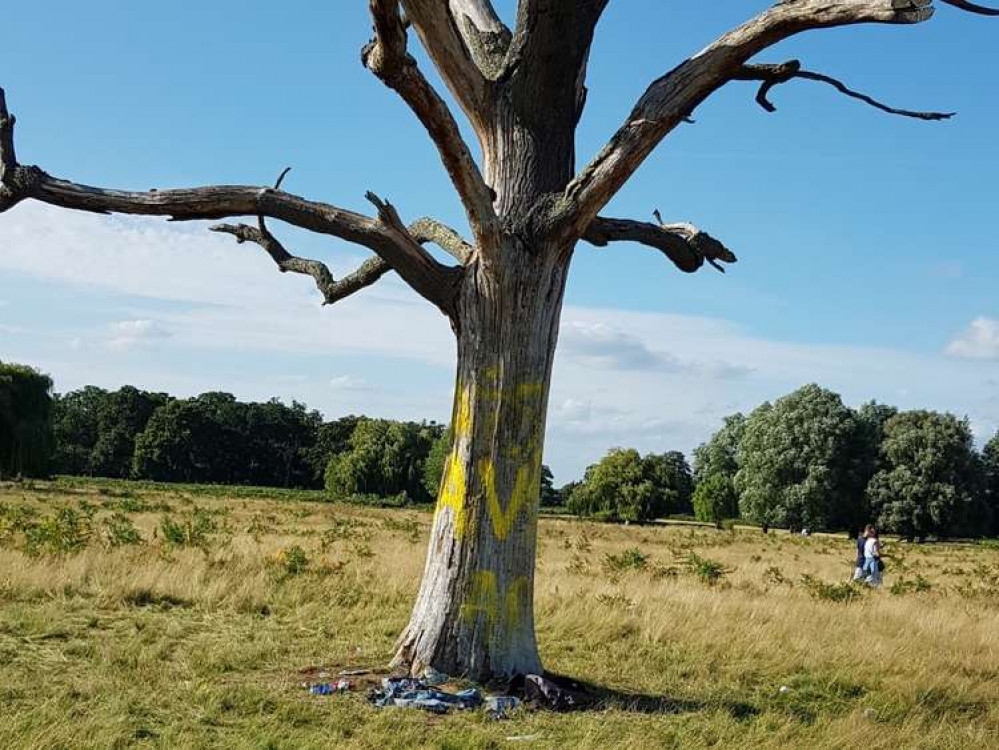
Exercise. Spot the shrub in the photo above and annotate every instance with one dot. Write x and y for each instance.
(293, 560)
(918, 585)
(630, 559)
(119, 531)
(65, 532)
(844, 592)
(194, 529)
(708, 571)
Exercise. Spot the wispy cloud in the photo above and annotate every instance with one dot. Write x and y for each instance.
(349, 383)
(653, 380)
(131, 334)
(980, 340)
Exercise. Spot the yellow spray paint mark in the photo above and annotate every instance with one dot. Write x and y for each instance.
(526, 487)
(484, 600)
(454, 487)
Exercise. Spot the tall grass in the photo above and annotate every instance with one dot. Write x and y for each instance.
(691, 637)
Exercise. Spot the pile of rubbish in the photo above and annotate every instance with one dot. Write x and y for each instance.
(426, 693)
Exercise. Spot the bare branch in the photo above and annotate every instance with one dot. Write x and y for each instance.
(486, 37)
(549, 52)
(446, 46)
(332, 290)
(773, 75)
(684, 244)
(8, 157)
(670, 99)
(387, 58)
(433, 281)
(430, 230)
(972, 7)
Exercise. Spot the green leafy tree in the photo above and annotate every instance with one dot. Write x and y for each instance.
(183, 442)
(670, 474)
(990, 481)
(121, 416)
(331, 438)
(928, 477)
(797, 461)
(550, 497)
(625, 486)
(719, 455)
(25, 421)
(433, 467)
(385, 458)
(75, 418)
(715, 499)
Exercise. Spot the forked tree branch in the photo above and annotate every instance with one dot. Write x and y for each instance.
(486, 37)
(432, 280)
(387, 58)
(445, 44)
(332, 290)
(673, 97)
(684, 244)
(426, 230)
(775, 74)
(549, 52)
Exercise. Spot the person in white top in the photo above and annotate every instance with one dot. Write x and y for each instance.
(872, 558)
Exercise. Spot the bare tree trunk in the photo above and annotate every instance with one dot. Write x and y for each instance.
(475, 612)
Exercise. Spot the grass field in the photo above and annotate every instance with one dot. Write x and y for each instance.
(200, 633)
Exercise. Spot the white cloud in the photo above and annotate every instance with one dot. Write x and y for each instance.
(652, 380)
(130, 334)
(980, 340)
(349, 383)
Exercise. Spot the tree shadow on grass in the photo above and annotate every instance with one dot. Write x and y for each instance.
(593, 697)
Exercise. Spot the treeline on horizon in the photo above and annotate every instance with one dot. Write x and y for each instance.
(805, 461)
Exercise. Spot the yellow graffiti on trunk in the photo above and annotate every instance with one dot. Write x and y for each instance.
(526, 486)
(522, 401)
(454, 486)
(483, 600)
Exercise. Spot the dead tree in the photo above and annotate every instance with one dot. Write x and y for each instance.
(523, 92)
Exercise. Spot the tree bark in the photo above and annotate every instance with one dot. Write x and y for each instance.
(474, 615)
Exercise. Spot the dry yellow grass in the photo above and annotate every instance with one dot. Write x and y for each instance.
(162, 646)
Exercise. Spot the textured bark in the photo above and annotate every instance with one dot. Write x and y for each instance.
(474, 615)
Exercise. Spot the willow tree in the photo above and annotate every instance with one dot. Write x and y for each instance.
(527, 205)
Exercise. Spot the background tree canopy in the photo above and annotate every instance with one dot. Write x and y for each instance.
(25, 421)
(806, 460)
(929, 475)
(626, 486)
(798, 461)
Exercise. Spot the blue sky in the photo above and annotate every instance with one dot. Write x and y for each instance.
(866, 242)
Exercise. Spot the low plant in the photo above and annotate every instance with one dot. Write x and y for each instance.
(65, 532)
(917, 585)
(292, 560)
(844, 592)
(706, 570)
(117, 530)
(630, 559)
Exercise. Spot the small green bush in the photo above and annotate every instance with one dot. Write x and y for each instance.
(194, 529)
(844, 592)
(65, 532)
(917, 585)
(630, 559)
(119, 531)
(292, 560)
(708, 571)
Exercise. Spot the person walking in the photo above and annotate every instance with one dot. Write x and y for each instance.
(858, 570)
(872, 558)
